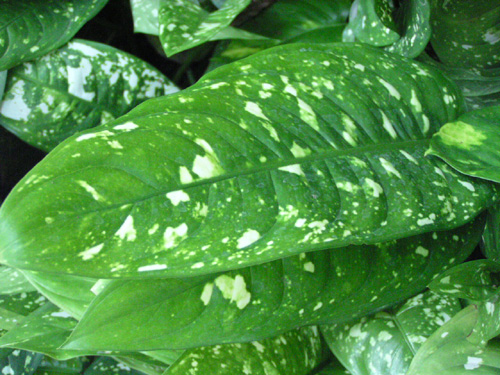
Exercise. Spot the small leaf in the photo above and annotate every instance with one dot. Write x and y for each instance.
(184, 25)
(491, 236)
(248, 166)
(477, 280)
(13, 281)
(145, 14)
(386, 342)
(33, 28)
(293, 353)
(265, 300)
(77, 87)
(365, 25)
(470, 144)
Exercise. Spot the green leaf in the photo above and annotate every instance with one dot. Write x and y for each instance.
(73, 294)
(13, 281)
(246, 167)
(145, 14)
(43, 331)
(3, 79)
(333, 369)
(293, 353)
(77, 87)
(265, 300)
(14, 307)
(466, 33)
(49, 366)
(386, 342)
(365, 25)
(107, 365)
(491, 236)
(470, 143)
(413, 20)
(451, 351)
(477, 280)
(288, 21)
(18, 362)
(144, 364)
(184, 25)
(33, 28)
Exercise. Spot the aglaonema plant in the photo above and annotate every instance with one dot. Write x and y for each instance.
(282, 215)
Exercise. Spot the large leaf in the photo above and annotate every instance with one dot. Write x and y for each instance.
(386, 343)
(263, 301)
(32, 28)
(293, 353)
(77, 87)
(288, 21)
(248, 166)
(466, 33)
(470, 144)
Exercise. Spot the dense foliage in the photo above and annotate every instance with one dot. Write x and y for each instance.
(250, 187)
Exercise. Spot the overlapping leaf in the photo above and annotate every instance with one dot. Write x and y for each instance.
(184, 24)
(491, 236)
(288, 21)
(248, 166)
(466, 33)
(77, 87)
(297, 352)
(263, 301)
(470, 144)
(386, 343)
(32, 28)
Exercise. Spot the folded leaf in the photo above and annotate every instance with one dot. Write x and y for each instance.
(470, 144)
(296, 352)
(477, 280)
(32, 28)
(247, 166)
(184, 25)
(265, 300)
(386, 342)
(79, 86)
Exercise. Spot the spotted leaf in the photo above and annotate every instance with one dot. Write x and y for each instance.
(184, 24)
(454, 349)
(287, 21)
(470, 144)
(386, 342)
(296, 352)
(77, 87)
(13, 281)
(491, 237)
(17, 362)
(32, 28)
(247, 166)
(265, 300)
(466, 33)
(477, 280)
(107, 365)
(145, 14)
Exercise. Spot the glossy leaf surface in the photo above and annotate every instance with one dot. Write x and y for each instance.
(145, 14)
(296, 352)
(235, 172)
(263, 301)
(386, 342)
(466, 33)
(470, 144)
(288, 21)
(32, 28)
(477, 280)
(184, 24)
(79, 86)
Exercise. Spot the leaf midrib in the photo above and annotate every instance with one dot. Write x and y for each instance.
(323, 155)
